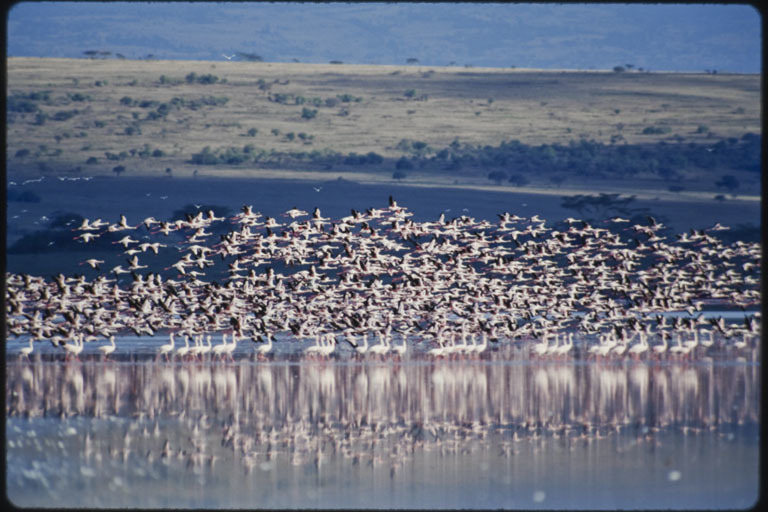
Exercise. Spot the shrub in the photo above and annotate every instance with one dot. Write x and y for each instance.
(92, 160)
(557, 180)
(40, 95)
(205, 157)
(193, 77)
(519, 180)
(22, 153)
(207, 79)
(64, 115)
(728, 182)
(347, 98)
(308, 113)
(656, 130)
(158, 153)
(403, 164)
(283, 98)
(353, 159)
(15, 104)
(143, 153)
(252, 132)
(497, 176)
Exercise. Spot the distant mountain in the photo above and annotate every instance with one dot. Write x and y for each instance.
(684, 37)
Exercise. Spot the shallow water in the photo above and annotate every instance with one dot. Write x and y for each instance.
(497, 432)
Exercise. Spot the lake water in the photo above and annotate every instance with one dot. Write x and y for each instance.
(496, 431)
(493, 431)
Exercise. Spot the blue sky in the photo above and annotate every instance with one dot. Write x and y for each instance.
(682, 37)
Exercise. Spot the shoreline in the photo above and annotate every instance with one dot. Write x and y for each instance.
(439, 182)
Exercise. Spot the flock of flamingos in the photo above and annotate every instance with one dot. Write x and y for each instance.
(448, 288)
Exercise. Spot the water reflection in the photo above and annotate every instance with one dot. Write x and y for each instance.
(412, 400)
(312, 426)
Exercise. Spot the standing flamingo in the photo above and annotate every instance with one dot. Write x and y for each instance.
(165, 349)
(264, 349)
(27, 350)
(182, 351)
(75, 348)
(108, 349)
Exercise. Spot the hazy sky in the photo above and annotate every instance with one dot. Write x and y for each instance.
(685, 37)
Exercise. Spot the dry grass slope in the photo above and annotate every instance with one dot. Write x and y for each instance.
(386, 104)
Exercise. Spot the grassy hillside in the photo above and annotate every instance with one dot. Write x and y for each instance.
(145, 118)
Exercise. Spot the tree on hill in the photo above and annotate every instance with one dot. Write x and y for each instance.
(519, 180)
(728, 182)
(558, 180)
(497, 176)
(403, 164)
